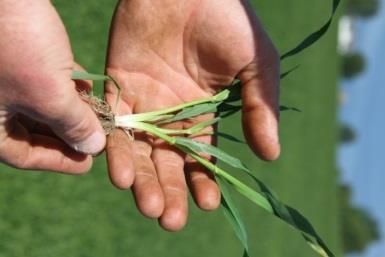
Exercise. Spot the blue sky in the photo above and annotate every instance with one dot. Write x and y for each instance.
(363, 163)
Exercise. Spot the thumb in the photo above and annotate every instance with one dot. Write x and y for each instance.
(260, 116)
(71, 119)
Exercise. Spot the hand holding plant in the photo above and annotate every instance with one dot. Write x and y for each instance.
(170, 65)
(168, 75)
(169, 52)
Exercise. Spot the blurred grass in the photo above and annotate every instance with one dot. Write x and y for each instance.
(45, 215)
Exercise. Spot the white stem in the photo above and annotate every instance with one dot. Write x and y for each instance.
(124, 122)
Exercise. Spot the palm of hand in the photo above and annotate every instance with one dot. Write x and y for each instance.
(177, 52)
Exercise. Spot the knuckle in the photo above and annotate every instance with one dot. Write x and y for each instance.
(144, 166)
(177, 187)
(114, 146)
(146, 176)
(143, 149)
(199, 177)
(78, 131)
(21, 161)
(149, 198)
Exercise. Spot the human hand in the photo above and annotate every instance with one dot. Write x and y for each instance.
(42, 118)
(166, 52)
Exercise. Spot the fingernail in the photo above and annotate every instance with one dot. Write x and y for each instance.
(93, 145)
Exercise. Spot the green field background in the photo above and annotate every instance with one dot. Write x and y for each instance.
(45, 215)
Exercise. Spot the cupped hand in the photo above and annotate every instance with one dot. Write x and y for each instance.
(44, 124)
(167, 52)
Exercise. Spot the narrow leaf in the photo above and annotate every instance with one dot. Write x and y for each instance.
(225, 107)
(283, 108)
(293, 218)
(280, 210)
(83, 75)
(232, 214)
(229, 113)
(287, 73)
(315, 36)
(191, 147)
(235, 91)
(229, 137)
(221, 96)
(210, 150)
(225, 110)
(235, 82)
(193, 111)
(197, 128)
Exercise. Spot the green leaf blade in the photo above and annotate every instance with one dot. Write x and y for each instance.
(83, 75)
(287, 73)
(233, 216)
(268, 200)
(192, 112)
(315, 36)
(283, 108)
(211, 150)
(229, 137)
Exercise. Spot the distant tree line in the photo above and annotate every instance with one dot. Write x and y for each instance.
(359, 228)
(362, 8)
(347, 134)
(353, 64)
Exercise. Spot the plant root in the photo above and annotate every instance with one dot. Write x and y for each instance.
(102, 109)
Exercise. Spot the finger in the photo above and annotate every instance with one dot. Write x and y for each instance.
(119, 158)
(38, 152)
(260, 101)
(120, 147)
(201, 182)
(203, 187)
(147, 191)
(70, 118)
(169, 167)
